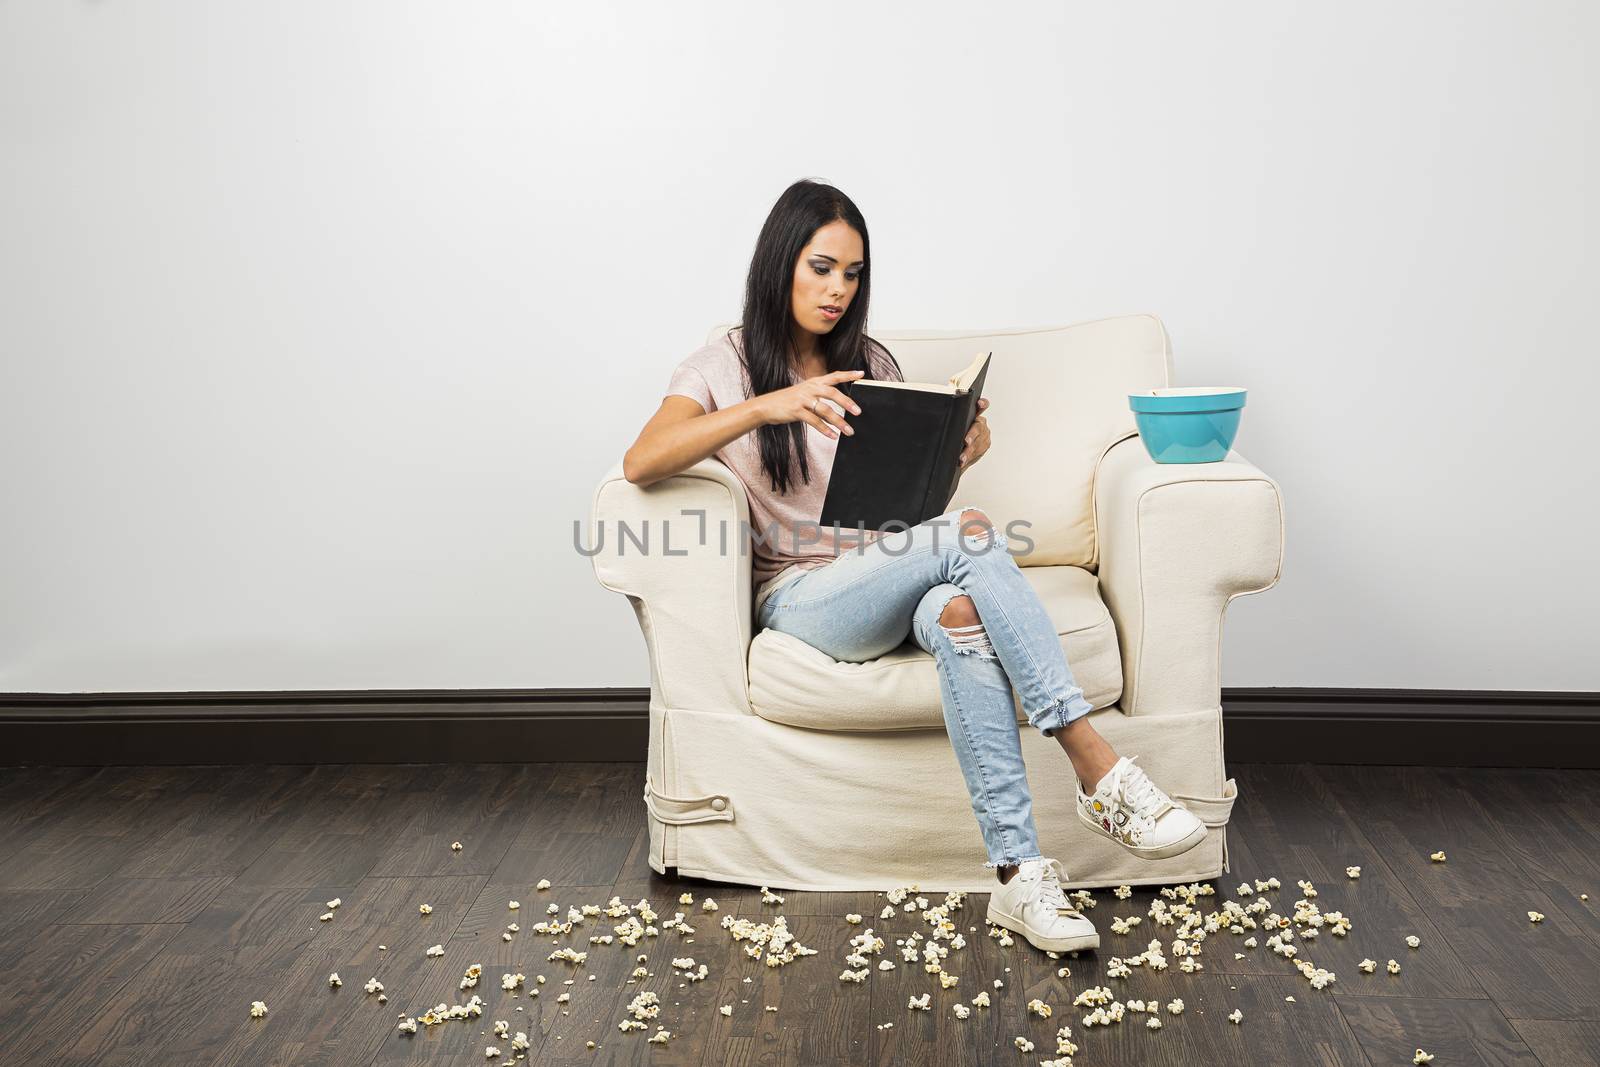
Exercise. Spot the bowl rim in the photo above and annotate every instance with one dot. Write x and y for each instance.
(1194, 390)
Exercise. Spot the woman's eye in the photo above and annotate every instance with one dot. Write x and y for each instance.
(825, 270)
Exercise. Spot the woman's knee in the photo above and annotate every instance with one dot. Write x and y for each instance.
(959, 611)
(965, 630)
(971, 522)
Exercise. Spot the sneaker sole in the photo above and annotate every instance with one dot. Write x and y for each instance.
(999, 917)
(1176, 848)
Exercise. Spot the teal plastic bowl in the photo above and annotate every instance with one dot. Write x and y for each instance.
(1191, 424)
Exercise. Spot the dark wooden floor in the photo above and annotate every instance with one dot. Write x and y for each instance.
(143, 909)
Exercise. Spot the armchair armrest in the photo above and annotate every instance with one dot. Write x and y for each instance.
(1176, 542)
(679, 550)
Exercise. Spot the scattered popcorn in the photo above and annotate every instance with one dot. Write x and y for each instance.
(981, 1000)
(686, 898)
(455, 846)
(1153, 1023)
(257, 1009)
(1368, 965)
(333, 980)
(407, 1026)
(919, 1003)
(426, 909)
(726, 1009)
(659, 1037)
(1092, 995)
(1289, 999)
(374, 986)
(853, 919)
(1040, 1008)
(1421, 1056)
(1353, 872)
(1235, 1015)
(1123, 892)
(436, 950)
(1438, 857)
(325, 916)
(961, 1010)
(1535, 916)
(544, 883)
(708, 905)
(1024, 1044)
(1175, 1006)
(1394, 968)
(491, 1052)
(513, 905)
(1413, 940)
(334, 903)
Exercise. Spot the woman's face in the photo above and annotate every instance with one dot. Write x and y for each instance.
(827, 273)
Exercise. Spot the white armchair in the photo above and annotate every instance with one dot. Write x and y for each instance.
(773, 764)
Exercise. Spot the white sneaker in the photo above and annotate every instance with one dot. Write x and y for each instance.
(1128, 808)
(1034, 905)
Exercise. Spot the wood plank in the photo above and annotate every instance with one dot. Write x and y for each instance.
(229, 821)
(145, 900)
(1456, 1032)
(43, 994)
(1566, 1044)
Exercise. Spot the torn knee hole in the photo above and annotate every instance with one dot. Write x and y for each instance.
(972, 640)
(975, 524)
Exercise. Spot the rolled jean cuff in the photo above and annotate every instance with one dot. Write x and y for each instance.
(993, 864)
(1057, 714)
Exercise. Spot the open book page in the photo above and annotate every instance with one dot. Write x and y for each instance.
(957, 383)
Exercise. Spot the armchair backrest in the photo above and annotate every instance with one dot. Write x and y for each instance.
(1059, 400)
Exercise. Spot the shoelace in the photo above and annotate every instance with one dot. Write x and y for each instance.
(1143, 795)
(1051, 895)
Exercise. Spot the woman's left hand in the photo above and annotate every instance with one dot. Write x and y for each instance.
(977, 438)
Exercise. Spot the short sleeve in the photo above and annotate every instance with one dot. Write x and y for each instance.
(688, 380)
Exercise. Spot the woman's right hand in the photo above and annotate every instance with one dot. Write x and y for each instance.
(801, 402)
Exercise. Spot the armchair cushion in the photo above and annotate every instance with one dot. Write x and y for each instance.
(796, 684)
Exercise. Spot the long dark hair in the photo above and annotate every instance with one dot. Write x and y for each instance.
(768, 325)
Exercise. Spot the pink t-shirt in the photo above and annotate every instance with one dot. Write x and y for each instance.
(786, 537)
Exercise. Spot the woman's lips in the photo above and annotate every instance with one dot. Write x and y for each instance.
(830, 314)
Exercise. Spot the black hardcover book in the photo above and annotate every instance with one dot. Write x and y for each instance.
(900, 464)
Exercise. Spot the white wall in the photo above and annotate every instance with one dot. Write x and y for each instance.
(319, 322)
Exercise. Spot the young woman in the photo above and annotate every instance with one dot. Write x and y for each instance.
(764, 399)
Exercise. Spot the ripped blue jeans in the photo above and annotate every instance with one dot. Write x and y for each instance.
(863, 604)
